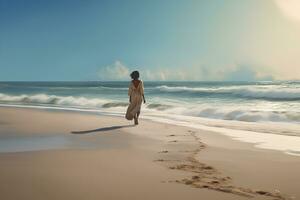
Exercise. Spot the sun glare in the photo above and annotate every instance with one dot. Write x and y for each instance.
(291, 8)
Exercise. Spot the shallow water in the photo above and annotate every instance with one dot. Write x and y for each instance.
(33, 143)
(77, 139)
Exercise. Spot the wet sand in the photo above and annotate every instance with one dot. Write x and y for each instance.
(101, 157)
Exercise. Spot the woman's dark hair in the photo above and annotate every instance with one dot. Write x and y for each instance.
(135, 75)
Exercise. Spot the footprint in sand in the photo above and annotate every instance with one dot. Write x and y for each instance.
(165, 151)
(206, 176)
(159, 160)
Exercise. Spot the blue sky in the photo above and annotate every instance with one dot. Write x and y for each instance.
(166, 40)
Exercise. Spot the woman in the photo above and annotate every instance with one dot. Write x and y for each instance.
(136, 97)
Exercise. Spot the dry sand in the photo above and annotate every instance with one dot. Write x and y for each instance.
(83, 156)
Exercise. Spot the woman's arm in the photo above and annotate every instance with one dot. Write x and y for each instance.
(130, 92)
(144, 98)
(142, 91)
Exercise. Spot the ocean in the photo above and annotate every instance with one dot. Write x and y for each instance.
(266, 114)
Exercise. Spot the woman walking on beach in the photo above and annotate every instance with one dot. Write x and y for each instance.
(136, 97)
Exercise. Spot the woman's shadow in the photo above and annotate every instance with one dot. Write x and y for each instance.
(109, 128)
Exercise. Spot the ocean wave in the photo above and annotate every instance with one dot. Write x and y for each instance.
(158, 106)
(112, 88)
(224, 112)
(69, 101)
(252, 115)
(268, 93)
(80, 88)
(52, 99)
(238, 114)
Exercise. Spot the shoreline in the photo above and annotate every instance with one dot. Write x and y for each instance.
(189, 155)
(288, 143)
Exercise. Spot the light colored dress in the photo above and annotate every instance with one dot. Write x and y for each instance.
(136, 94)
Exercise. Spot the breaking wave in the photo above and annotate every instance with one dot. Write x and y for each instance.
(239, 114)
(52, 99)
(284, 94)
(159, 106)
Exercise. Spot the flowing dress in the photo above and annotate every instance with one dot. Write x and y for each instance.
(136, 93)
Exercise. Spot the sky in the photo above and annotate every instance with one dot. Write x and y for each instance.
(197, 40)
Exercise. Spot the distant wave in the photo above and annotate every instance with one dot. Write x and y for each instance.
(288, 94)
(82, 87)
(113, 88)
(181, 89)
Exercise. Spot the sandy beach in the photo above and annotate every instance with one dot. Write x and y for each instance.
(150, 100)
(47, 154)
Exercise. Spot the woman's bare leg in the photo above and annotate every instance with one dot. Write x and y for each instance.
(137, 117)
(136, 122)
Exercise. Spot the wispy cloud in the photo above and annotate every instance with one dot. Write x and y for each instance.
(243, 72)
(116, 71)
(238, 72)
